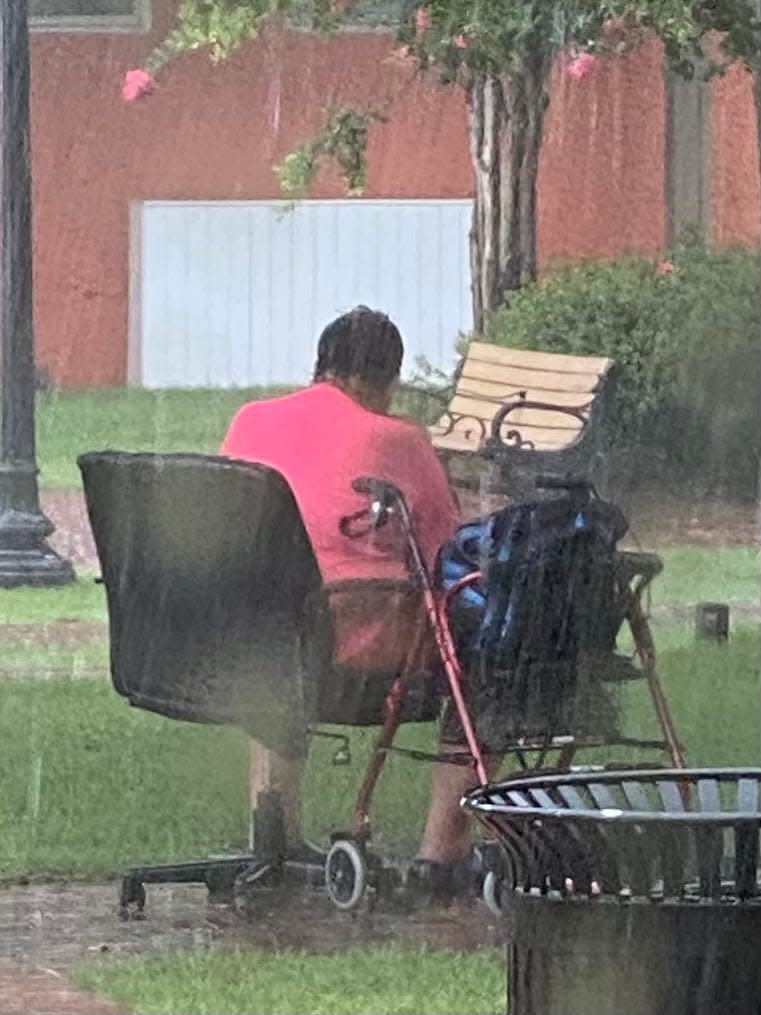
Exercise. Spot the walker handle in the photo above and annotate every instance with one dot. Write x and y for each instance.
(380, 490)
(384, 496)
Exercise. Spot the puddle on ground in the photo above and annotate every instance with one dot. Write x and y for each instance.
(58, 926)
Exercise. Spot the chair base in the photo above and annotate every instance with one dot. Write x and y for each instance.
(229, 878)
(237, 880)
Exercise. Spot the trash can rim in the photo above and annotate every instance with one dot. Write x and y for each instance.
(477, 801)
(611, 815)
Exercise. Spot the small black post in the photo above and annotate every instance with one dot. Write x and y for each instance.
(25, 557)
(712, 621)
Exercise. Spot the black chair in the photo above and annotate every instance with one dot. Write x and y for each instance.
(217, 614)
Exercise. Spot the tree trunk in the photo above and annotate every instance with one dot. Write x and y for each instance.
(487, 127)
(505, 120)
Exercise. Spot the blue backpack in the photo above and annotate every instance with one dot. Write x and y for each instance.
(548, 596)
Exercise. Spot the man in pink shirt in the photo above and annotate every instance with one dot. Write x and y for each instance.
(320, 439)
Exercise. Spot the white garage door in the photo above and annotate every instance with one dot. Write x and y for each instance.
(231, 294)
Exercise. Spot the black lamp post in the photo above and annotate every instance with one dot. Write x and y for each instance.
(757, 84)
(25, 557)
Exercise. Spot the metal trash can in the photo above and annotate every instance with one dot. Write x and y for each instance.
(630, 892)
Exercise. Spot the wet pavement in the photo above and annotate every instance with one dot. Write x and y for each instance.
(72, 537)
(57, 926)
(47, 929)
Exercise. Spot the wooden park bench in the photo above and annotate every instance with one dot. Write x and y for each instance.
(518, 408)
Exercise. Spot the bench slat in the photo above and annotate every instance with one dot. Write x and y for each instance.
(532, 359)
(499, 392)
(520, 379)
(462, 406)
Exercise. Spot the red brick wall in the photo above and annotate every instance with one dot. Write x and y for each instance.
(601, 188)
(216, 132)
(734, 160)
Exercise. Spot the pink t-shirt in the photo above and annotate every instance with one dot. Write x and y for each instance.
(320, 440)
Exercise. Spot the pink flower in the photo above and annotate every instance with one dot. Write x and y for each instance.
(581, 65)
(422, 20)
(664, 268)
(460, 42)
(136, 83)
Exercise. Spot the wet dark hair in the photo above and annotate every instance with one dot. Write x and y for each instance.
(363, 343)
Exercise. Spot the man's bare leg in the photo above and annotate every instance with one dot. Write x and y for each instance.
(272, 772)
(447, 829)
(447, 835)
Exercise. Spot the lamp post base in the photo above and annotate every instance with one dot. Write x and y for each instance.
(25, 557)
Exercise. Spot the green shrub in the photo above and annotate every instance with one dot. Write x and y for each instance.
(686, 342)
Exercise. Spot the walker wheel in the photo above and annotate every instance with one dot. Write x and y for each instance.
(493, 893)
(345, 874)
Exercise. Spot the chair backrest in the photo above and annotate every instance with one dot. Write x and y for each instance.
(208, 569)
(491, 375)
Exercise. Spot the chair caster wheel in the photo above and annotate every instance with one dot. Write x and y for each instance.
(243, 903)
(493, 894)
(260, 874)
(345, 874)
(132, 900)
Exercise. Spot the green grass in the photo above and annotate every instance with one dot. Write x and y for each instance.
(695, 574)
(83, 600)
(132, 419)
(28, 659)
(388, 981)
(42, 652)
(90, 785)
(713, 692)
(691, 574)
(129, 419)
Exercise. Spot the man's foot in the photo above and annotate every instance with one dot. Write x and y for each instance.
(430, 882)
(437, 882)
